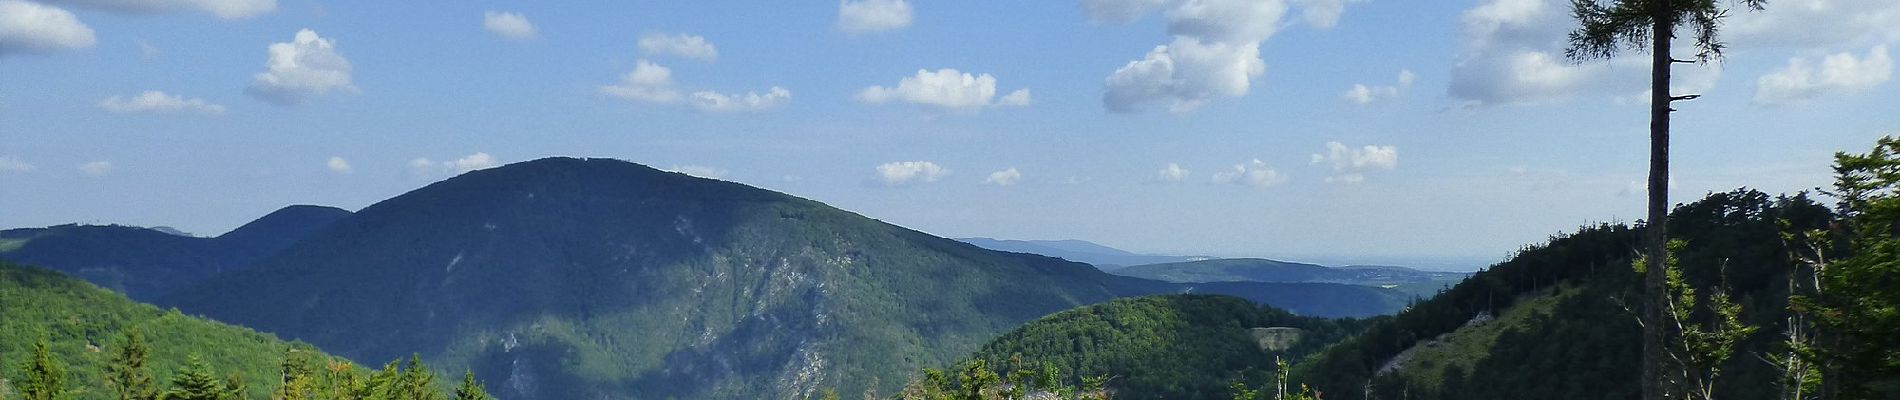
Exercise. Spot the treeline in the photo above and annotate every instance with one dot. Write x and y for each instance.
(1770, 297)
(302, 376)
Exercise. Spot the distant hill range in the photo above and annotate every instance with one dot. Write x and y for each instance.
(146, 263)
(1102, 257)
(570, 278)
(1416, 282)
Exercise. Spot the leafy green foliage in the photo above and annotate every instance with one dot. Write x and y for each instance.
(85, 329)
(196, 382)
(1859, 297)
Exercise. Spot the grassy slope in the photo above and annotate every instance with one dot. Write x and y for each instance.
(85, 324)
(1466, 347)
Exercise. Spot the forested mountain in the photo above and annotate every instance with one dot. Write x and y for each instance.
(591, 278)
(148, 263)
(85, 325)
(1412, 281)
(1563, 324)
(1102, 257)
(1165, 347)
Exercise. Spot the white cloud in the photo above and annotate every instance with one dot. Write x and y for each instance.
(1323, 13)
(1840, 72)
(1513, 54)
(1363, 94)
(1815, 24)
(305, 67)
(910, 172)
(859, 16)
(1018, 98)
(692, 47)
(1254, 173)
(226, 9)
(34, 28)
(1005, 177)
(946, 89)
(1349, 164)
(1215, 52)
(508, 25)
(153, 101)
(1345, 158)
(750, 101)
(339, 165)
(424, 167)
(699, 171)
(1350, 179)
(12, 164)
(648, 83)
(147, 49)
(96, 168)
(1172, 173)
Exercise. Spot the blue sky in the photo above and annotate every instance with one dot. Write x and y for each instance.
(1439, 133)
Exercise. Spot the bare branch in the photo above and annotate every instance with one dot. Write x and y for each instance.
(1685, 97)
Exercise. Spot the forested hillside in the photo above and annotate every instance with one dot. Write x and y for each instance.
(1170, 347)
(1582, 340)
(146, 264)
(581, 278)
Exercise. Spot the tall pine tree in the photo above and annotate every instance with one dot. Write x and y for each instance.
(1605, 29)
(127, 373)
(43, 377)
(195, 382)
(470, 389)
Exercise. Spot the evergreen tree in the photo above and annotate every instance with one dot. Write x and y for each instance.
(195, 382)
(44, 378)
(234, 387)
(472, 390)
(417, 382)
(127, 374)
(1635, 25)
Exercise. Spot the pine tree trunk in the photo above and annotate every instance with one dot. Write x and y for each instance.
(1654, 232)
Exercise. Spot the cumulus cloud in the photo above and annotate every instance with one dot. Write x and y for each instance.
(157, 102)
(339, 165)
(1005, 177)
(1513, 54)
(1801, 80)
(946, 89)
(424, 167)
(1349, 165)
(699, 171)
(35, 28)
(226, 9)
(1215, 51)
(1171, 173)
(1323, 13)
(860, 16)
(710, 101)
(305, 67)
(1363, 94)
(508, 25)
(692, 47)
(1816, 24)
(12, 164)
(647, 83)
(910, 172)
(96, 168)
(1254, 173)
